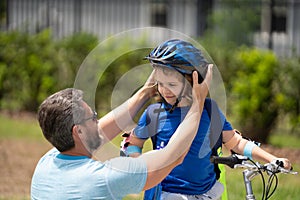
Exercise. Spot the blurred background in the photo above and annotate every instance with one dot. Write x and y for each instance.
(254, 43)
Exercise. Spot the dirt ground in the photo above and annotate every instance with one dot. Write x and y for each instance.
(19, 157)
(17, 162)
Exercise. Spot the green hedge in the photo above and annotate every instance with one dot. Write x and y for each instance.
(261, 88)
(34, 66)
(254, 93)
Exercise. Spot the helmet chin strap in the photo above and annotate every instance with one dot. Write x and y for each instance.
(175, 104)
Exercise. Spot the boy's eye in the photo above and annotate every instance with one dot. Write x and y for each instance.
(167, 84)
(172, 85)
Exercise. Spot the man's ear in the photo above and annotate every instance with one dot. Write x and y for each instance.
(76, 129)
(76, 133)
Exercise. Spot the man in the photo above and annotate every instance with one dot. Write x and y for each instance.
(68, 171)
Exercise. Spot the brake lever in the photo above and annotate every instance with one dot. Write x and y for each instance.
(278, 166)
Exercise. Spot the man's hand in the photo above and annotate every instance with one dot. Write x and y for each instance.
(150, 85)
(200, 91)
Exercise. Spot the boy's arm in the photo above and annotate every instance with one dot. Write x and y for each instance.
(131, 145)
(235, 142)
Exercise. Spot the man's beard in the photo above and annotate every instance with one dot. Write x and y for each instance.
(94, 143)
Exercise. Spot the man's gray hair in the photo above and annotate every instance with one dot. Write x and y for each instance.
(58, 114)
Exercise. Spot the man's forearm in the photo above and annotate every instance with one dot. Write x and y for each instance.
(161, 162)
(183, 137)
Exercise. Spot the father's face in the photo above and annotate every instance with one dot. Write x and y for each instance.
(91, 137)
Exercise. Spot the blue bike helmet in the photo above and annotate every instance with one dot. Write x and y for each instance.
(181, 56)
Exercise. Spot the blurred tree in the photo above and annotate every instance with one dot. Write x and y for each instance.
(235, 21)
(289, 92)
(232, 24)
(76, 48)
(28, 69)
(118, 58)
(253, 97)
(34, 66)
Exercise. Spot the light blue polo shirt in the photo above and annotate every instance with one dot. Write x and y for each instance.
(59, 176)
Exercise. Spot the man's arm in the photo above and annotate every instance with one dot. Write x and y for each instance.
(161, 162)
(121, 117)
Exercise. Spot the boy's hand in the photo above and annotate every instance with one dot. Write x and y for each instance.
(286, 163)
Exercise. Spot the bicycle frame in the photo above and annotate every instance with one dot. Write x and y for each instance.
(248, 175)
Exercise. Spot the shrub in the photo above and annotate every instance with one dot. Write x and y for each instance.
(253, 97)
(34, 66)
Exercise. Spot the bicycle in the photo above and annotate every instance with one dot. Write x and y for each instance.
(252, 169)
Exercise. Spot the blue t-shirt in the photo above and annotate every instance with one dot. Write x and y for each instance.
(59, 176)
(196, 174)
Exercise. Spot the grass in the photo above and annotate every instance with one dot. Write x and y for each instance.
(280, 140)
(287, 189)
(15, 128)
(288, 186)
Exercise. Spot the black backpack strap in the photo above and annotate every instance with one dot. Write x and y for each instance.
(216, 124)
(216, 127)
(152, 114)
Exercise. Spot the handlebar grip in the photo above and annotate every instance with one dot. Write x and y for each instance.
(229, 161)
(281, 164)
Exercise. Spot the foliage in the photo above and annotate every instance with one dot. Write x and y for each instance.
(234, 22)
(259, 87)
(289, 88)
(223, 40)
(231, 25)
(34, 66)
(76, 48)
(253, 95)
(108, 63)
(26, 67)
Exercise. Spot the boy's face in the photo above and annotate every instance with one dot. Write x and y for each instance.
(170, 84)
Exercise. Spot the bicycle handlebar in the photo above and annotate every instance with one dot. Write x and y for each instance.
(253, 169)
(235, 161)
(230, 161)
